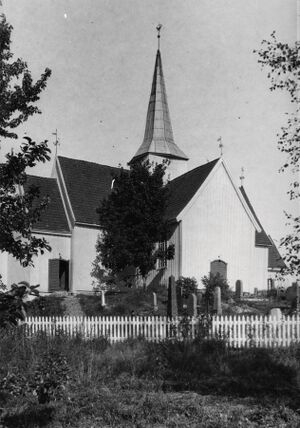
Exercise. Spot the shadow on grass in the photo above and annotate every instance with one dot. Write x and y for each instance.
(32, 416)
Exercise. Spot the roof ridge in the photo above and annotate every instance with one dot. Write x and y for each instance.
(261, 237)
(193, 170)
(86, 161)
(41, 176)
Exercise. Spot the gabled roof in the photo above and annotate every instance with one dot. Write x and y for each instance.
(53, 218)
(87, 184)
(184, 187)
(275, 260)
(261, 238)
(158, 137)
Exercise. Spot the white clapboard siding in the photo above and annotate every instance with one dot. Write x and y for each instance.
(238, 331)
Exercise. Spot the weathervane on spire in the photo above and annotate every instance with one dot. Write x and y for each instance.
(242, 176)
(56, 142)
(159, 27)
(221, 145)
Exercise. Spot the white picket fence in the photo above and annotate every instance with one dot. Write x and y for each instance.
(238, 331)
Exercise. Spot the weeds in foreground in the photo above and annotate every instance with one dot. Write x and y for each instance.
(81, 383)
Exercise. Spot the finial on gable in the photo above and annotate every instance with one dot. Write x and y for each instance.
(242, 176)
(56, 142)
(221, 145)
(159, 27)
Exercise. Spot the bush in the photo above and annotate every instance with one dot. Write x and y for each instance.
(47, 306)
(121, 384)
(187, 285)
(91, 305)
(210, 283)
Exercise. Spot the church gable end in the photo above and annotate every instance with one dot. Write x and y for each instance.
(218, 225)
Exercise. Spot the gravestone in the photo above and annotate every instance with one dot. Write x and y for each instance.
(172, 309)
(217, 301)
(155, 306)
(103, 302)
(276, 313)
(239, 289)
(192, 305)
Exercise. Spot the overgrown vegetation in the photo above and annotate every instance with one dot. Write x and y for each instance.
(283, 64)
(187, 286)
(210, 283)
(20, 205)
(133, 221)
(49, 306)
(64, 382)
(125, 301)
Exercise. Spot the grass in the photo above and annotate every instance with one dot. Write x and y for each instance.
(140, 384)
(125, 302)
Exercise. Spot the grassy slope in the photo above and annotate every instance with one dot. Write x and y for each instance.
(137, 384)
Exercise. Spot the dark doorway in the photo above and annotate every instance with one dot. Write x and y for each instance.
(58, 275)
(218, 266)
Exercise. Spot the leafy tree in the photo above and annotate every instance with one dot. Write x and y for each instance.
(283, 64)
(187, 285)
(12, 306)
(210, 283)
(20, 207)
(133, 220)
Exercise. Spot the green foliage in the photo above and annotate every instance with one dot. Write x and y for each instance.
(17, 101)
(210, 283)
(125, 301)
(138, 383)
(90, 305)
(47, 306)
(283, 64)
(133, 220)
(20, 207)
(12, 306)
(188, 286)
(51, 377)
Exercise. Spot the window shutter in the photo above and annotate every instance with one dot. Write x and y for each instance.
(54, 275)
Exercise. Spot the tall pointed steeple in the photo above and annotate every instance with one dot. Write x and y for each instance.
(158, 138)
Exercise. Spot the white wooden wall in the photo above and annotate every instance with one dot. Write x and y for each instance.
(38, 274)
(217, 225)
(83, 254)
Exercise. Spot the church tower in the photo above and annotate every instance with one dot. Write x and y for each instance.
(158, 143)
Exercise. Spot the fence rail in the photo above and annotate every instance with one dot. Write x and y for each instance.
(238, 331)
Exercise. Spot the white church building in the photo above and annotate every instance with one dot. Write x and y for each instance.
(213, 225)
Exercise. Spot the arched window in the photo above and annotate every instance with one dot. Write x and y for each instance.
(218, 266)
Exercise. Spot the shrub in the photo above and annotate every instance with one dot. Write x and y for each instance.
(51, 377)
(187, 285)
(90, 305)
(46, 306)
(210, 283)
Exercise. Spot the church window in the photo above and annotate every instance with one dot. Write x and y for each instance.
(219, 267)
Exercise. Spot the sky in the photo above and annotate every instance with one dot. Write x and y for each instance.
(102, 54)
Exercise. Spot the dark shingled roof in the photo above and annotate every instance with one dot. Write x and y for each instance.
(53, 218)
(275, 260)
(87, 184)
(184, 187)
(261, 238)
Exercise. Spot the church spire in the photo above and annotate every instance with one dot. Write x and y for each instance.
(158, 137)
